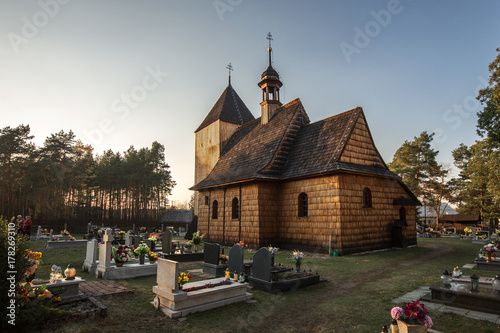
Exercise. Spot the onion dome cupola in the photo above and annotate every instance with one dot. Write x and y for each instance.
(270, 84)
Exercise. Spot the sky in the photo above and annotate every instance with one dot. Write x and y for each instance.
(123, 73)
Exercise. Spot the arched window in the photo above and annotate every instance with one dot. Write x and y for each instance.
(206, 200)
(303, 205)
(215, 208)
(402, 214)
(367, 198)
(236, 208)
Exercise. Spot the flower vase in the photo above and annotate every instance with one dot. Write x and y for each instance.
(407, 328)
(272, 260)
(152, 261)
(488, 256)
(297, 267)
(195, 247)
(141, 259)
(119, 263)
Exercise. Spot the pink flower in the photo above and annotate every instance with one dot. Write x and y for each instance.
(428, 321)
(396, 312)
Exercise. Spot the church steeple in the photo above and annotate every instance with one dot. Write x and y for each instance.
(270, 85)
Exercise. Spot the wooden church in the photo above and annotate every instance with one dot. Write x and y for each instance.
(281, 180)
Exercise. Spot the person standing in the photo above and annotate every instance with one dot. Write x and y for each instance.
(27, 226)
(19, 224)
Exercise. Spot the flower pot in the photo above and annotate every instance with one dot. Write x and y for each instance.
(141, 259)
(195, 247)
(407, 328)
(297, 267)
(152, 261)
(118, 264)
(488, 256)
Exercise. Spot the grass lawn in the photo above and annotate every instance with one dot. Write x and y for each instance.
(356, 298)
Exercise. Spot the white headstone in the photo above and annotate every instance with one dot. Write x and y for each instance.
(167, 275)
(39, 232)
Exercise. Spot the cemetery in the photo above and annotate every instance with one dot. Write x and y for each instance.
(229, 286)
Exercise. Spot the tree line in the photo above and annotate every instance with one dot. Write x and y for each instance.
(476, 190)
(64, 180)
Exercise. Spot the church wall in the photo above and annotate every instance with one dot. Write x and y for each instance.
(366, 229)
(314, 231)
(227, 230)
(268, 213)
(207, 151)
(360, 148)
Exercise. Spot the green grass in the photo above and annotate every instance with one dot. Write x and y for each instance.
(356, 298)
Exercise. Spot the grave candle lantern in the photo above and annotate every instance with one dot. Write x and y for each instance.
(70, 272)
(474, 282)
(446, 278)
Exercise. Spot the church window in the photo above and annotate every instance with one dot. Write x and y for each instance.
(367, 198)
(303, 205)
(215, 209)
(206, 200)
(236, 208)
(402, 214)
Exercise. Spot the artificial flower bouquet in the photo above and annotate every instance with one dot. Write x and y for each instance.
(197, 237)
(413, 313)
(153, 237)
(297, 256)
(273, 250)
(122, 253)
(143, 248)
(152, 255)
(183, 278)
(489, 248)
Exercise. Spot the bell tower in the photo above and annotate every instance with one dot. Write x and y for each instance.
(270, 85)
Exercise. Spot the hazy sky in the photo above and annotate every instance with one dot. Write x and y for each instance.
(121, 72)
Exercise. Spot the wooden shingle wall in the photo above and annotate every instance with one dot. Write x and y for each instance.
(366, 229)
(360, 148)
(314, 231)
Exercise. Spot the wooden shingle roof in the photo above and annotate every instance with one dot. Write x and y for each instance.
(288, 147)
(229, 108)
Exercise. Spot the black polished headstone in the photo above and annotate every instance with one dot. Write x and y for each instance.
(136, 240)
(235, 262)
(150, 244)
(262, 264)
(211, 253)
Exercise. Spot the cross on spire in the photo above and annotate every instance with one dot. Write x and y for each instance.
(230, 68)
(269, 38)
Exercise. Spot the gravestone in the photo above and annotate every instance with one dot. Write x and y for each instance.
(235, 262)
(90, 264)
(167, 275)
(39, 232)
(136, 240)
(104, 253)
(89, 227)
(166, 241)
(262, 264)
(211, 253)
(128, 239)
(211, 264)
(150, 244)
(51, 232)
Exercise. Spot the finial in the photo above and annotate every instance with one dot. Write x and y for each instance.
(270, 49)
(230, 68)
